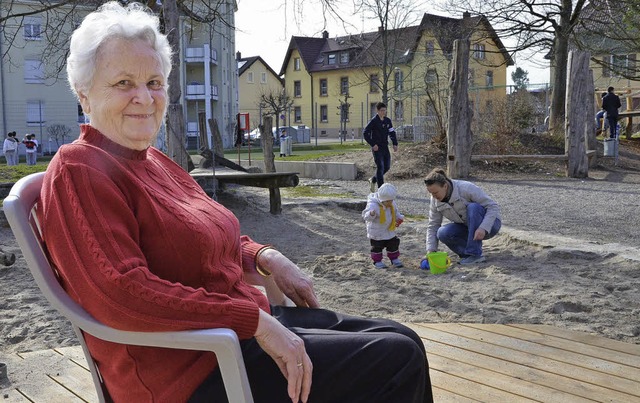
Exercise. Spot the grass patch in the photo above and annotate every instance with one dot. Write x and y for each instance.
(415, 217)
(313, 191)
(13, 173)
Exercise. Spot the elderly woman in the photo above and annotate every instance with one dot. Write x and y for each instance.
(474, 216)
(141, 247)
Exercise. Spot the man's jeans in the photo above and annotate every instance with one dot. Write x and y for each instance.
(459, 237)
(382, 158)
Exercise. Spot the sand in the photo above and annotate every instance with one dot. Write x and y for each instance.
(530, 277)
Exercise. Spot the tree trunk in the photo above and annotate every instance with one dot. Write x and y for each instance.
(558, 96)
(175, 115)
(269, 163)
(459, 124)
(590, 135)
(577, 114)
(218, 148)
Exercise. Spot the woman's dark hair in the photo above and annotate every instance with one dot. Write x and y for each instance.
(437, 175)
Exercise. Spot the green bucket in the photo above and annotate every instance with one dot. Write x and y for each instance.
(439, 262)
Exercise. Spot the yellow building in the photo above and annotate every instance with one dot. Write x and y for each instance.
(324, 74)
(255, 78)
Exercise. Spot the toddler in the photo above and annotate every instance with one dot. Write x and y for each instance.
(382, 218)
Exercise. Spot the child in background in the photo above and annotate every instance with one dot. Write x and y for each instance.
(382, 218)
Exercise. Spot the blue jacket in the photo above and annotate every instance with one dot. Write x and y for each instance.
(378, 132)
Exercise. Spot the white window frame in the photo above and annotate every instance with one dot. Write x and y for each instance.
(429, 48)
(250, 77)
(489, 78)
(33, 71)
(296, 64)
(398, 78)
(344, 85)
(324, 113)
(297, 114)
(32, 29)
(35, 113)
(331, 59)
(324, 87)
(297, 89)
(479, 51)
(344, 57)
(263, 77)
(398, 110)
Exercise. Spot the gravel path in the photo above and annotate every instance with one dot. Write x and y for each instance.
(604, 208)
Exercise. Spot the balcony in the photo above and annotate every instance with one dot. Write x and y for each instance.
(197, 92)
(197, 55)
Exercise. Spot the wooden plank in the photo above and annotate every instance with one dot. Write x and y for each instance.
(471, 390)
(633, 361)
(444, 396)
(452, 335)
(582, 337)
(519, 157)
(604, 373)
(75, 354)
(520, 372)
(77, 380)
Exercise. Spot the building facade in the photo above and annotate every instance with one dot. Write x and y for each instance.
(34, 94)
(336, 82)
(255, 78)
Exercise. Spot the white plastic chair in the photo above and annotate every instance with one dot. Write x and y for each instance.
(20, 207)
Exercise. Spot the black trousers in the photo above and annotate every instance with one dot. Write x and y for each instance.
(354, 360)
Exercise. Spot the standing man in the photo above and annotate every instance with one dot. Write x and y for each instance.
(611, 103)
(377, 134)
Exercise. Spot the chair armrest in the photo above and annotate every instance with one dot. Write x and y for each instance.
(274, 294)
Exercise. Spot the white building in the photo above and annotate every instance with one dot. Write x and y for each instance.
(35, 98)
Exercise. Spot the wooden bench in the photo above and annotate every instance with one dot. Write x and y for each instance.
(629, 116)
(271, 180)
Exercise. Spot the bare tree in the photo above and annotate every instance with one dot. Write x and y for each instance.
(58, 132)
(274, 103)
(535, 26)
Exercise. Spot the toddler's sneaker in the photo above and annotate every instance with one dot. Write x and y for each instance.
(380, 265)
(397, 263)
(473, 260)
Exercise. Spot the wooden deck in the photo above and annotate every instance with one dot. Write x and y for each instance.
(469, 362)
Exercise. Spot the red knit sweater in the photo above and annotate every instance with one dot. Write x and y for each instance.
(141, 247)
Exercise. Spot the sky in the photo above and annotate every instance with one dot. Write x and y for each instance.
(264, 28)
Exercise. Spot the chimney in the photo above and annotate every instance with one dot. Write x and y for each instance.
(380, 28)
(466, 14)
(325, 34)
(238, 55)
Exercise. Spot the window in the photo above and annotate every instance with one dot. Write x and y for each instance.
(478, 51)
(344, 111)
(250, 77)
(618, 65)
(489, 79)
(331, 59)
(344, 57)
(399, 110)
(397, 78)
(429, 49)
(35, 113)
(373, 109)
(374, 84)
(297, 89)
(472, 78)
(323, 87)
(32, 29)
(296, 64)
(344, 85)
(431, 78)
(297, 114)
(33, 72)
(324, 112)
(263, 78)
